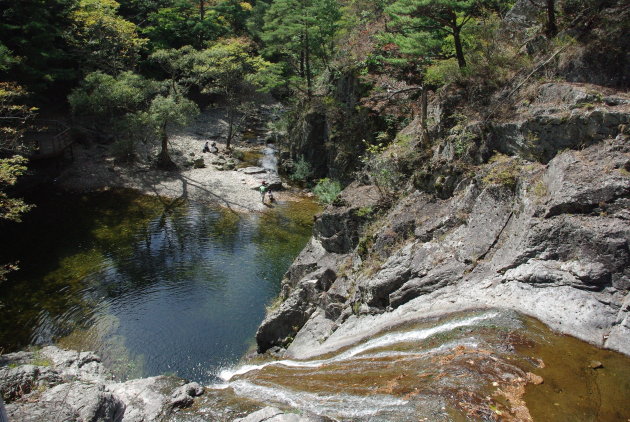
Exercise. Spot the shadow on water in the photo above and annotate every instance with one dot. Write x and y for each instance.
(154, 285)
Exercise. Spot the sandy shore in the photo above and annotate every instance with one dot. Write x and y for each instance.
(94, 168)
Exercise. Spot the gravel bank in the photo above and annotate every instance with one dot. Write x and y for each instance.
(94, 168)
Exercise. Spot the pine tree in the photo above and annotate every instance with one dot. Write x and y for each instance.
(424, 27)
(301, 31)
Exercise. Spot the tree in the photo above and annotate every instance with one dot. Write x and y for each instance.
(101, 39)
(14, 120)
(302, 33)
(235, 13)
(433, 27)
(184, 22)
(230, 68)
(35, 30)
(178, 64)
(165, 113)
(129, 104)
(102, 99)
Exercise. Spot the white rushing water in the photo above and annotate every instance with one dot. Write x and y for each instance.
(269, 160)
(385, 340)
(340, 405)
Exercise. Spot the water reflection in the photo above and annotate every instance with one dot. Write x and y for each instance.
(154, 286)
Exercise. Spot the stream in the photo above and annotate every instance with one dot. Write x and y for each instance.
(162, 286)
(485, 365)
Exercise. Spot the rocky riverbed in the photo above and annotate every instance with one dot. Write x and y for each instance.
(218, 178)
(55, 384)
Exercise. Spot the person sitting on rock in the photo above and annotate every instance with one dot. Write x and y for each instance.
(206, 148)
(213, 148)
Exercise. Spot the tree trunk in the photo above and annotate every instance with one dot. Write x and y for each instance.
(459, 51)
(307, 63)
(552, 29)
(202, 10)
(302, 57)
(164, 161)
(424, 106)
(230, 134)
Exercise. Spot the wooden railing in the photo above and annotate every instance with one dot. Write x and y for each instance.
(50, 138)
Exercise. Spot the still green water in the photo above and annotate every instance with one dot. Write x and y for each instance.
(153, 285)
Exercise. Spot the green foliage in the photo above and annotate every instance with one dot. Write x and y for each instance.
(7, 59)
(327, 190)
(14, 117)
(178, 64)
(301, 32)
(182, 22)
(460, 135)
(108, 97)
(365, 211)
(433, 28)
(36, 32)
(230, 68)
(384, 166)
(10, 170)
(442, 72)
(103, 39)
(492, 61)
(505, 171)
(302, 171)
(133, 107)
(169, 111)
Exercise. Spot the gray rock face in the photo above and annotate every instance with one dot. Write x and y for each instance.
(541, 137)
(76, 401)
(554, 244)
(74, 386)
(338, 228)
(281, 325)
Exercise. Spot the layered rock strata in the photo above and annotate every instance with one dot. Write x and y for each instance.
(548, 240)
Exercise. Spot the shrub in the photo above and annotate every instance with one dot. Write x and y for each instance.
(327, 190)
(504, 172)
(442, 72)
(302, 170)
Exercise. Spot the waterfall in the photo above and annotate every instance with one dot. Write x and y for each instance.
(386, 340)
(269, 160)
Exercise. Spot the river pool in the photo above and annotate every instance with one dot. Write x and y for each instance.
(153, 285)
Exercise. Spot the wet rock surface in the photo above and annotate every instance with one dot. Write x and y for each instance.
(272, 414)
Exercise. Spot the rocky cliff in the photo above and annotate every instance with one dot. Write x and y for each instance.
(534, 219)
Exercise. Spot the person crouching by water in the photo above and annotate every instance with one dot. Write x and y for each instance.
(206, 148)
(213, 148)
(272, 199)
(263, 190)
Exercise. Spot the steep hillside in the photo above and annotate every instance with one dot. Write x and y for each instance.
(518, 199)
